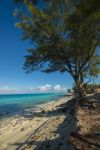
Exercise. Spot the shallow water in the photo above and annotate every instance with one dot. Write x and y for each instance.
(16, 103)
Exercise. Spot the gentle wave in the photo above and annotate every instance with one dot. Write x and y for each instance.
(16, 103)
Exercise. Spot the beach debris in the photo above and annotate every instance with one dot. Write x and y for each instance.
(43, 111)
(88, 123)
(97, 133)
(87, 142)
(22, 129)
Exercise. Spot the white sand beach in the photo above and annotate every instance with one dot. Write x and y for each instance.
(17, 131)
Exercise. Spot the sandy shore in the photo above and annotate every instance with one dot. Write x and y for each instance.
(87, 114)
(41, 127)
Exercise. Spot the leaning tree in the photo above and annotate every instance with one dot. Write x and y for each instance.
(65, 34)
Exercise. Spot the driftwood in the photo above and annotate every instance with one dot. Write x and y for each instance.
(88, 142)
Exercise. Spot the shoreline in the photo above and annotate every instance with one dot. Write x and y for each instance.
(6, 112)
(34, 108)
(17, 129)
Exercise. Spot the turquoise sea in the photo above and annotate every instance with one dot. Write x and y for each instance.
(16, 103)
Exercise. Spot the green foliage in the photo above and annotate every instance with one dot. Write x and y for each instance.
(90, 88)
(94, 67)
(26, 1)
(74, 88)
(69, 90)
(66, 34)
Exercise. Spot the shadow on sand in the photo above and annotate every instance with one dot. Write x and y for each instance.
(62, 132)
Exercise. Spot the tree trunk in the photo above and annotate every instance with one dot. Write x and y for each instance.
(80, 88)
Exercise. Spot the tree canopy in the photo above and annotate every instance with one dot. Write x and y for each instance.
(65, 33)
(26, 1)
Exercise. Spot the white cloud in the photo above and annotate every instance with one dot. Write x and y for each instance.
(4, 90)
(7, 90)
(57, 88)
(45, 88)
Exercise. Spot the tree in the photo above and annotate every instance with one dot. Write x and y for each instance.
(93, 71)
(26, 1)
(65, 34)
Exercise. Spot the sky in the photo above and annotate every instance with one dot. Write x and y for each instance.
(13, 78)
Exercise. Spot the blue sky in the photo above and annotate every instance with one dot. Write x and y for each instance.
(12, 49)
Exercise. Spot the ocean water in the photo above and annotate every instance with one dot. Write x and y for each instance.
(15, 103)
